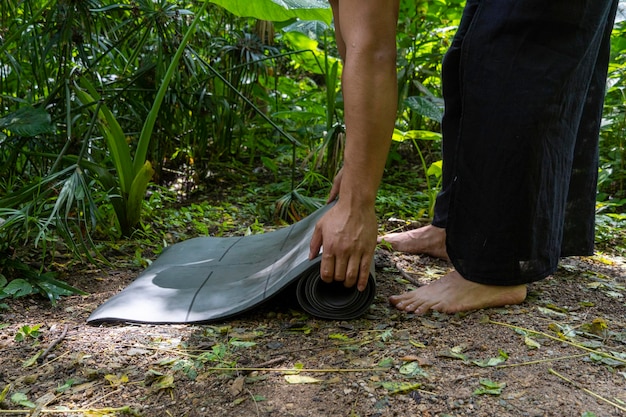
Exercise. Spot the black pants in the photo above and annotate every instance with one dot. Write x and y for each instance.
(524, 84)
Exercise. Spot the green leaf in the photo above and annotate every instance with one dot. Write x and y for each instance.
(339, 336)
(137, 193)
(67, 385)
(531, 343)
(146, 131)
(313, 29)
(489, 362)
(400, 387)
(489, 387)
(279, 10)
(425, 107)
(386, 335)
(4, 392)
(113, 134)
(18, 288)
(400, 136)
(454, 353)
(241, 343)
(28, 122)
(436, 169)
(385, 363)
(20, 398)
(412, 369)
(32, 360)
(163, 382)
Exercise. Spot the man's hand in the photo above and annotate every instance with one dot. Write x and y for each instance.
(348, 235)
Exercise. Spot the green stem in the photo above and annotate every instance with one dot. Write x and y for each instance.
(577, 345)
(593, 394)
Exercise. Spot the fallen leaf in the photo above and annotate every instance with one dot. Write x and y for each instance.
(115, 380)
(301, 379)
(412, 369)
(484, 363)
(339, 336)
(550, 312)
(598, 326)
(417, 344)
(163, 382)
(236, 387)
(32, 360)
(531, 343)
(400, 387)
(489, 387)
(4, 392)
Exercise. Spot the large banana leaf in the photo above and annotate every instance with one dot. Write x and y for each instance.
(279, 10)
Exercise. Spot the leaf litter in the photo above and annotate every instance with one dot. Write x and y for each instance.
(277, 361)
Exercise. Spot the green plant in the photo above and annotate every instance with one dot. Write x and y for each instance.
(612, 175)
(134, 173)
(30, 281)
(26, 332)
(433, 170)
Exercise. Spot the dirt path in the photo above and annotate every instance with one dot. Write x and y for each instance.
(385, 364)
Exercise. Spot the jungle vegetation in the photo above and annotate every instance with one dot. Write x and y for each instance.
(128, 124)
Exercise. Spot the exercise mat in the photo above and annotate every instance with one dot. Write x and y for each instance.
(210, 278)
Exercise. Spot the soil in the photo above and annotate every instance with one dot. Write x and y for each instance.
(560, 353)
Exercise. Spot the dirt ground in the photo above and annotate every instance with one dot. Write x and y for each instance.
(561, 353)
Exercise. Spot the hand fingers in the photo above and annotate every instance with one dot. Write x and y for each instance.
(355, 271)
(316, 243)
(352, 272)
(327, 268)
(364, 273)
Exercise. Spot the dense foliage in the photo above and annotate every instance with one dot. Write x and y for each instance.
(110, 109)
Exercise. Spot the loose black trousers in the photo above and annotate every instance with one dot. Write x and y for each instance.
(523, 84)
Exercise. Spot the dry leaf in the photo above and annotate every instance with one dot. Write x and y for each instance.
(301, 379)
(236, 387)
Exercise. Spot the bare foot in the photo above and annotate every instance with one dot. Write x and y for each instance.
(452, 293)
(428, 240)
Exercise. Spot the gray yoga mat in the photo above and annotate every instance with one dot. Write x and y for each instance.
(207, 279)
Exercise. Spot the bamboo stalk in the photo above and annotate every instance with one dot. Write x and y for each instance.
(593, 394)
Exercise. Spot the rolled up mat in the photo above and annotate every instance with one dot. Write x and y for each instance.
(208, 278)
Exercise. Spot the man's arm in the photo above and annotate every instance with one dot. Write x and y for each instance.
(366, 37)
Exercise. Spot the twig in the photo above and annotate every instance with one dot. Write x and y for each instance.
(125, 409)
(46, 352)
(512, 365)
(321, 370)
(258, 413)
(271, 362)
(104, 396)
(407, 276)
(577, 345)
(593, 394)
